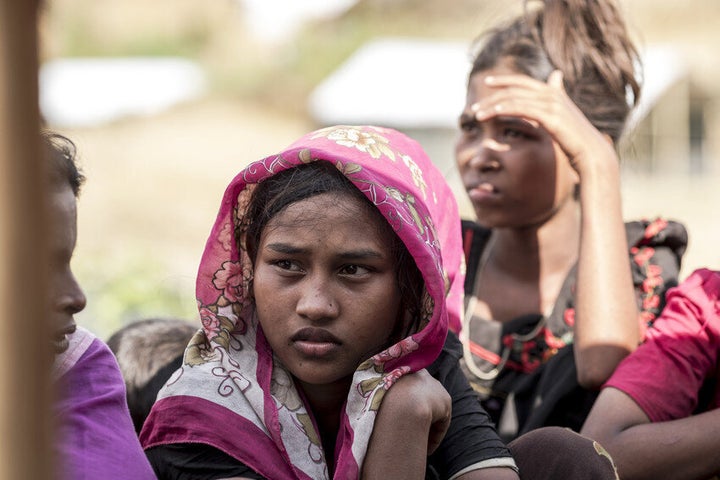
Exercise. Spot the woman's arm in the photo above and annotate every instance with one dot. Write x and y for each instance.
(606, 325)
(606, 321)
(683, 449)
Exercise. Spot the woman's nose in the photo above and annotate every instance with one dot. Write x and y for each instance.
(485, 154)
(316, 301)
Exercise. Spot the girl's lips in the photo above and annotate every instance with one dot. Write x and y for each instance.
(315, 349)
(315, 342)
(60, 341)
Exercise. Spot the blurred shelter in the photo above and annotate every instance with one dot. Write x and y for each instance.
(82, 92)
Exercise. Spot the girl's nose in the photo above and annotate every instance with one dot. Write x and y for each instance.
(73, 299)
(316, 300)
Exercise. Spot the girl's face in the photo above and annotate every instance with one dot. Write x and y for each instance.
(325, 287)
(66, 296)
(513, 171)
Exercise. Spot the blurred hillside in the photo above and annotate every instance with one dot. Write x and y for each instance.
(154, 182)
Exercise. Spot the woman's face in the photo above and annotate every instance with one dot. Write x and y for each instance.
(325, 287)
(514, 173)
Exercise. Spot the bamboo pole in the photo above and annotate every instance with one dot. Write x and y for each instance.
(24, 342)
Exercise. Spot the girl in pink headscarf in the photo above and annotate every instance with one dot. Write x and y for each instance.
(325, 292)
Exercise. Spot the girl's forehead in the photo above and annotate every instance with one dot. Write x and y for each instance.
(335, 207)
(328, 225)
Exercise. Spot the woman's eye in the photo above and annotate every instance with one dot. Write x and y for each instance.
(469, 127)
(513, 133)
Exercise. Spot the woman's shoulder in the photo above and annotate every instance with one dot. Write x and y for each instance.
(474, 239)
(658, 232)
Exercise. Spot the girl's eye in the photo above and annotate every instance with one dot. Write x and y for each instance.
(353, 270)
(287, 265)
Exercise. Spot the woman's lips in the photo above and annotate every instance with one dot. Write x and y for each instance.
(482, 191)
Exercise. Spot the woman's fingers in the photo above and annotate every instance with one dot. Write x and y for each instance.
(546, 105)
(555, 80)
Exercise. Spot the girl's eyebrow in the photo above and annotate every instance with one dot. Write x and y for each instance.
(362, 253)
(285, 248)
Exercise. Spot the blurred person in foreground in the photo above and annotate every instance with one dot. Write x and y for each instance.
(94, 436)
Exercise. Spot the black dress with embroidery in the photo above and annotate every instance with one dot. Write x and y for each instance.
(524, 369)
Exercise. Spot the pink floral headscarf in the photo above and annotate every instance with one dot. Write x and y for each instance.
(231, 393)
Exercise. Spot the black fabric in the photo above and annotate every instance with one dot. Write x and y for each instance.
(542, 378)
(141, 400)
(471, 437)
(195, 461)
(475, 238)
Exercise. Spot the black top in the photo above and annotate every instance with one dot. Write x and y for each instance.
(470, 439)
(539, 373)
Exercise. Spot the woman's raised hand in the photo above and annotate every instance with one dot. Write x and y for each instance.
(547, 105)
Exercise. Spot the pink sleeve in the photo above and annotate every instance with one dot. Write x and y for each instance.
(665, 374)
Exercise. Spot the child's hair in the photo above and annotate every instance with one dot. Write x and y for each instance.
(148, 352)
(585, 39)
(275, 193)
(61, 153)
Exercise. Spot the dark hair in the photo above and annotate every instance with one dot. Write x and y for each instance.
(148, 352)
(61, 153)
(585, 39)
(275, 193)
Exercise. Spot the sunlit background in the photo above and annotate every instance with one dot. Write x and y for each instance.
(167, 100)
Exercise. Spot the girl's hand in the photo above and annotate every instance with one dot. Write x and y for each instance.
(417, 407)
(548, 106)
(419, 399)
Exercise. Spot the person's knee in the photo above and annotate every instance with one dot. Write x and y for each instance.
(556, 452)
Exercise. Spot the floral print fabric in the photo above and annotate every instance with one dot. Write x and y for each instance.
(231, 393)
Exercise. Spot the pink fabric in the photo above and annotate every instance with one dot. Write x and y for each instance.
(95, 434)
(681, 353)
(230, 393)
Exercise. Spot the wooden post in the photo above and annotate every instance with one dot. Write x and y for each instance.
(25, 353)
